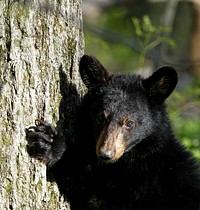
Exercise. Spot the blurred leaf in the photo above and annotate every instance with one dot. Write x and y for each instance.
(167, 40)
(147, 25)
(149, 36)
(138, 30)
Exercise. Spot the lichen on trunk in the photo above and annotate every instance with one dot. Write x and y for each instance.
(40, 41)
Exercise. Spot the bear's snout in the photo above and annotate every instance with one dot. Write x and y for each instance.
(105, 155)
(111, 144)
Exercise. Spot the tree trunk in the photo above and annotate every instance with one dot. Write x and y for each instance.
(41, 42)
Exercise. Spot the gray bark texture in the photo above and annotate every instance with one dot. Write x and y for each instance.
(41, 42)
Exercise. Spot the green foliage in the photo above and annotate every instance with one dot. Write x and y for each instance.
(114, 54)
(149, 36)
(184, 110)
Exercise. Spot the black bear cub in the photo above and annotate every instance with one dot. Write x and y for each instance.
(126, 156)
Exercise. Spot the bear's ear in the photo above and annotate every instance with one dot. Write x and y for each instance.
(92, 72)
(161, 83)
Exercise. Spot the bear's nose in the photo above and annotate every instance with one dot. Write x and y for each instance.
(105, 154)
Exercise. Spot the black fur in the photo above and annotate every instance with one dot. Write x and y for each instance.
(155, 172)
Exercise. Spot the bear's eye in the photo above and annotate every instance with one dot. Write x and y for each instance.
(130, 124)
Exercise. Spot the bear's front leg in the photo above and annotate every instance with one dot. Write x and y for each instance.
(44, 142)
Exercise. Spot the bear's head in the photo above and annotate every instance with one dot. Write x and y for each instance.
(125, 109)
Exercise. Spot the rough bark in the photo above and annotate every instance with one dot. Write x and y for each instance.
(41, 42)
